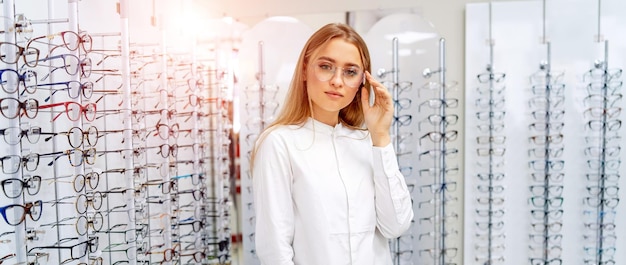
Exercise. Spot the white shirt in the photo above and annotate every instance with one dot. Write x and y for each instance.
(325, 195)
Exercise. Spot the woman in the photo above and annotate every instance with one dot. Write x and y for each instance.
(327, 188)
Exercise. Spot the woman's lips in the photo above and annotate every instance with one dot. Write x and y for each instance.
(334, 94)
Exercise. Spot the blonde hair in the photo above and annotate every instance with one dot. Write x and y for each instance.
(297, 107)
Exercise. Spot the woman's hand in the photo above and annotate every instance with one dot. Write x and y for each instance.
(378, 118)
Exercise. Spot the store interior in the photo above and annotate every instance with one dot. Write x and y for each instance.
(128, 126)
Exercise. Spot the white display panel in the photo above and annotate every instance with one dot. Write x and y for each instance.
(517, 34)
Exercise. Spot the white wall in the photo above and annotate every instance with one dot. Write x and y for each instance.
(447, 16)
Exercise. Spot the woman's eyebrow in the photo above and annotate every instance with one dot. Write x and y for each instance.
(325, 58)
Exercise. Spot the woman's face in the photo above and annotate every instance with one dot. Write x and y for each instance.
(333, 77)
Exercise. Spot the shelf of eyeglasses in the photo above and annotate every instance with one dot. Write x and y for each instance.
(428, 254)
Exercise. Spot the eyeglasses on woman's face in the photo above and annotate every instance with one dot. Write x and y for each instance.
(352, 75)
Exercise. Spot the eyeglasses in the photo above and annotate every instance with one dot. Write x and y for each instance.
(600, 226)
(493, 115)
(490, 176)
(541, 102)
(494, 77)
(491, 91)
(542, 177)
(554, 89)
(599, 100)
(593, 251)
(73, 88)
(71, 63)
(196, 225)
(11, 79)
(434, 171)
(14, 214)
(74, 134)
(541, 201)
(71, 40)
(490, 139)
(595, 202)
(485, 103)
(76, 156)
(434, 153)
(542, 261)
(403, 103)
(607, 190)
(606, 239)
(352, 75)
(490, 188)
(81, 180)
(612, 177)
(599, 112)
(436, 86)
(403, 120)
(12, 163)
(543, 77)
(437, 188)
(73, 110)
(437, 103)
(550, 214)
(14, 187)
(84, 200)
(543, 115)
(10, 53)
(493, 213)
(603, 262)
(198, 194)
(612, 164)
(77, 250)
(490, 225)
(441, 136)
(166, 186)
(551, 190)
(485, 128)
(165, 131)
(11, 108)
(400, 86)
(490, 200)
(435, 119)
(490, 151)
(597, 73)
(598, 125)
(94, 222)
(597, 87)
(131, 251)
(552, 227)
(13, 135)
(544, 139)
(436, 253)
(539, 165)
(542, 126)
(198, 256)
(168, 254)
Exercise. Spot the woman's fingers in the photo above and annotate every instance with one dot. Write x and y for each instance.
(381, 94)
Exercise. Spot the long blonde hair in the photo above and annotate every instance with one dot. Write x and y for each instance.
(297, 107)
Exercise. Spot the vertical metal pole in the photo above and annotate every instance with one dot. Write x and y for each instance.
(126, 111)
(442, 146)
(395, 75)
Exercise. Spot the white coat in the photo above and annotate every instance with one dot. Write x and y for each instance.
(325, 195)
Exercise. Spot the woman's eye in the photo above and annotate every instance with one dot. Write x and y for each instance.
(350, 72)
(324, 66)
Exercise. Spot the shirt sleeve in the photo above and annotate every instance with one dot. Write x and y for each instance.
(394, 209)
(272, 185)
